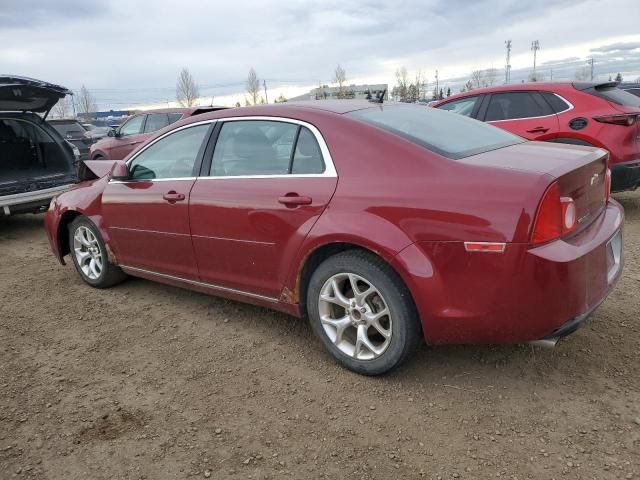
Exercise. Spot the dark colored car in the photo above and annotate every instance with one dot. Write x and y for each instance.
(138, 128)
(36, 163)
(383, 224)
(593, 114)
(74, 132)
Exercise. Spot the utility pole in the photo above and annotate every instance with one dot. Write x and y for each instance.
(437, 91)
(264, 84)
(591, 64)
(535, 46)
(507, 68)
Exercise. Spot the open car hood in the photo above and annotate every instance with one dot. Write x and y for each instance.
(22, 94)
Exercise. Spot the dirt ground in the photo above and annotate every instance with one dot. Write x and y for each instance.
(149, 381)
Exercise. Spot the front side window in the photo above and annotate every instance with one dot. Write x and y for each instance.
(514, 105)
(452, 136)
(254, 147)
(173, 156)
(132, 127)
(464, 106)
(156, 121)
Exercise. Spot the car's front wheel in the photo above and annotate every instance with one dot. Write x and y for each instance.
(89, 255)
(362, 312)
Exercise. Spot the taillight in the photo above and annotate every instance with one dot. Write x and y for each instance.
(625, 119)
(556, 216)
(607, 186)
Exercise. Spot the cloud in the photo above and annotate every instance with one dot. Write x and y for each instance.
(617, 47)
(131, 52)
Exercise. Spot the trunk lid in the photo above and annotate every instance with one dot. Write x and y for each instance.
(22, 94)
(580, 171)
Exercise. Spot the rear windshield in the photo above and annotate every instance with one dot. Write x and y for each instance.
(446, 133)
(69, 128)
(615, 95)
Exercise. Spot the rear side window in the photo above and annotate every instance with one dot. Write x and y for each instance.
(464, 106)
(515, 105)
(174, 117)
(452, 136)
(308, 157)
(615, 95)
(257, 147)
(557, 104)
(155, 122)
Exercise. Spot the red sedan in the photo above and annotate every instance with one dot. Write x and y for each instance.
(592, 114)
(383, 224)
(139, 128)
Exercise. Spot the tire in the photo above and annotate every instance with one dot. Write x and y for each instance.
(98, 157)
(89, 254)
(340, 328)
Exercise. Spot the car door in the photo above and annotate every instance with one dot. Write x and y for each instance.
(129, 135)
(267, 183)
(147, 215)
(523, 113)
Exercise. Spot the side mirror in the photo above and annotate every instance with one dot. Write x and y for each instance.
(111, 133)
(120, 171)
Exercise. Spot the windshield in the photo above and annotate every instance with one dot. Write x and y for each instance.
(446, 133)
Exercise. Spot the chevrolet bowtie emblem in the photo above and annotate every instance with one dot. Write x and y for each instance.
(594, 178)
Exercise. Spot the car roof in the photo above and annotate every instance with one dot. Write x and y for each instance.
(548, 86)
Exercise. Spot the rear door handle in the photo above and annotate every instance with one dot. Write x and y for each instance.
(294, 200)
(538, 130)
(173, 196)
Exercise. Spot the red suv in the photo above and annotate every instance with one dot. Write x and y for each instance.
(137, 129)
(594, 114)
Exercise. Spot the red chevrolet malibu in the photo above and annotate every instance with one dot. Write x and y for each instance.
(383, 224)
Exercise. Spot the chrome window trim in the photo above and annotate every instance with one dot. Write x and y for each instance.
(201, 284)
(329, 170)
(540, 116)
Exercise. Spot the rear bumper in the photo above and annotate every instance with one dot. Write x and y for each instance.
(625, 176)
(29, 201)
(524, 294)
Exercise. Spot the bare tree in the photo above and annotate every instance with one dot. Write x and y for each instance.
(86, 103)
(402, 83)
(583, 74)
(490, 77)
(63, 108)
(536, 77)
(421, 84)
(187, 91)
(340, 77)
(253, 87)
(477, 79)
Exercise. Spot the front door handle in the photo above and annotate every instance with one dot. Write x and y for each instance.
(538, 130)
(294, 200)
(173, 196)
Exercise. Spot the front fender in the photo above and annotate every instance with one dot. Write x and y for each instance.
(83, 199)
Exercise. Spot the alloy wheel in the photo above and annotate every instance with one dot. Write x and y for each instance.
(87, 252)
(355, 316)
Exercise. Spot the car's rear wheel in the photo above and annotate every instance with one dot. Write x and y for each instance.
(98, 157)
(89, 255)
(362, 312)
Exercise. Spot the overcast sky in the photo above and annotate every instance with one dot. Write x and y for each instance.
(130, 52)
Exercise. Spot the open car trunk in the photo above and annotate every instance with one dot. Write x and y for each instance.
(32, 159)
